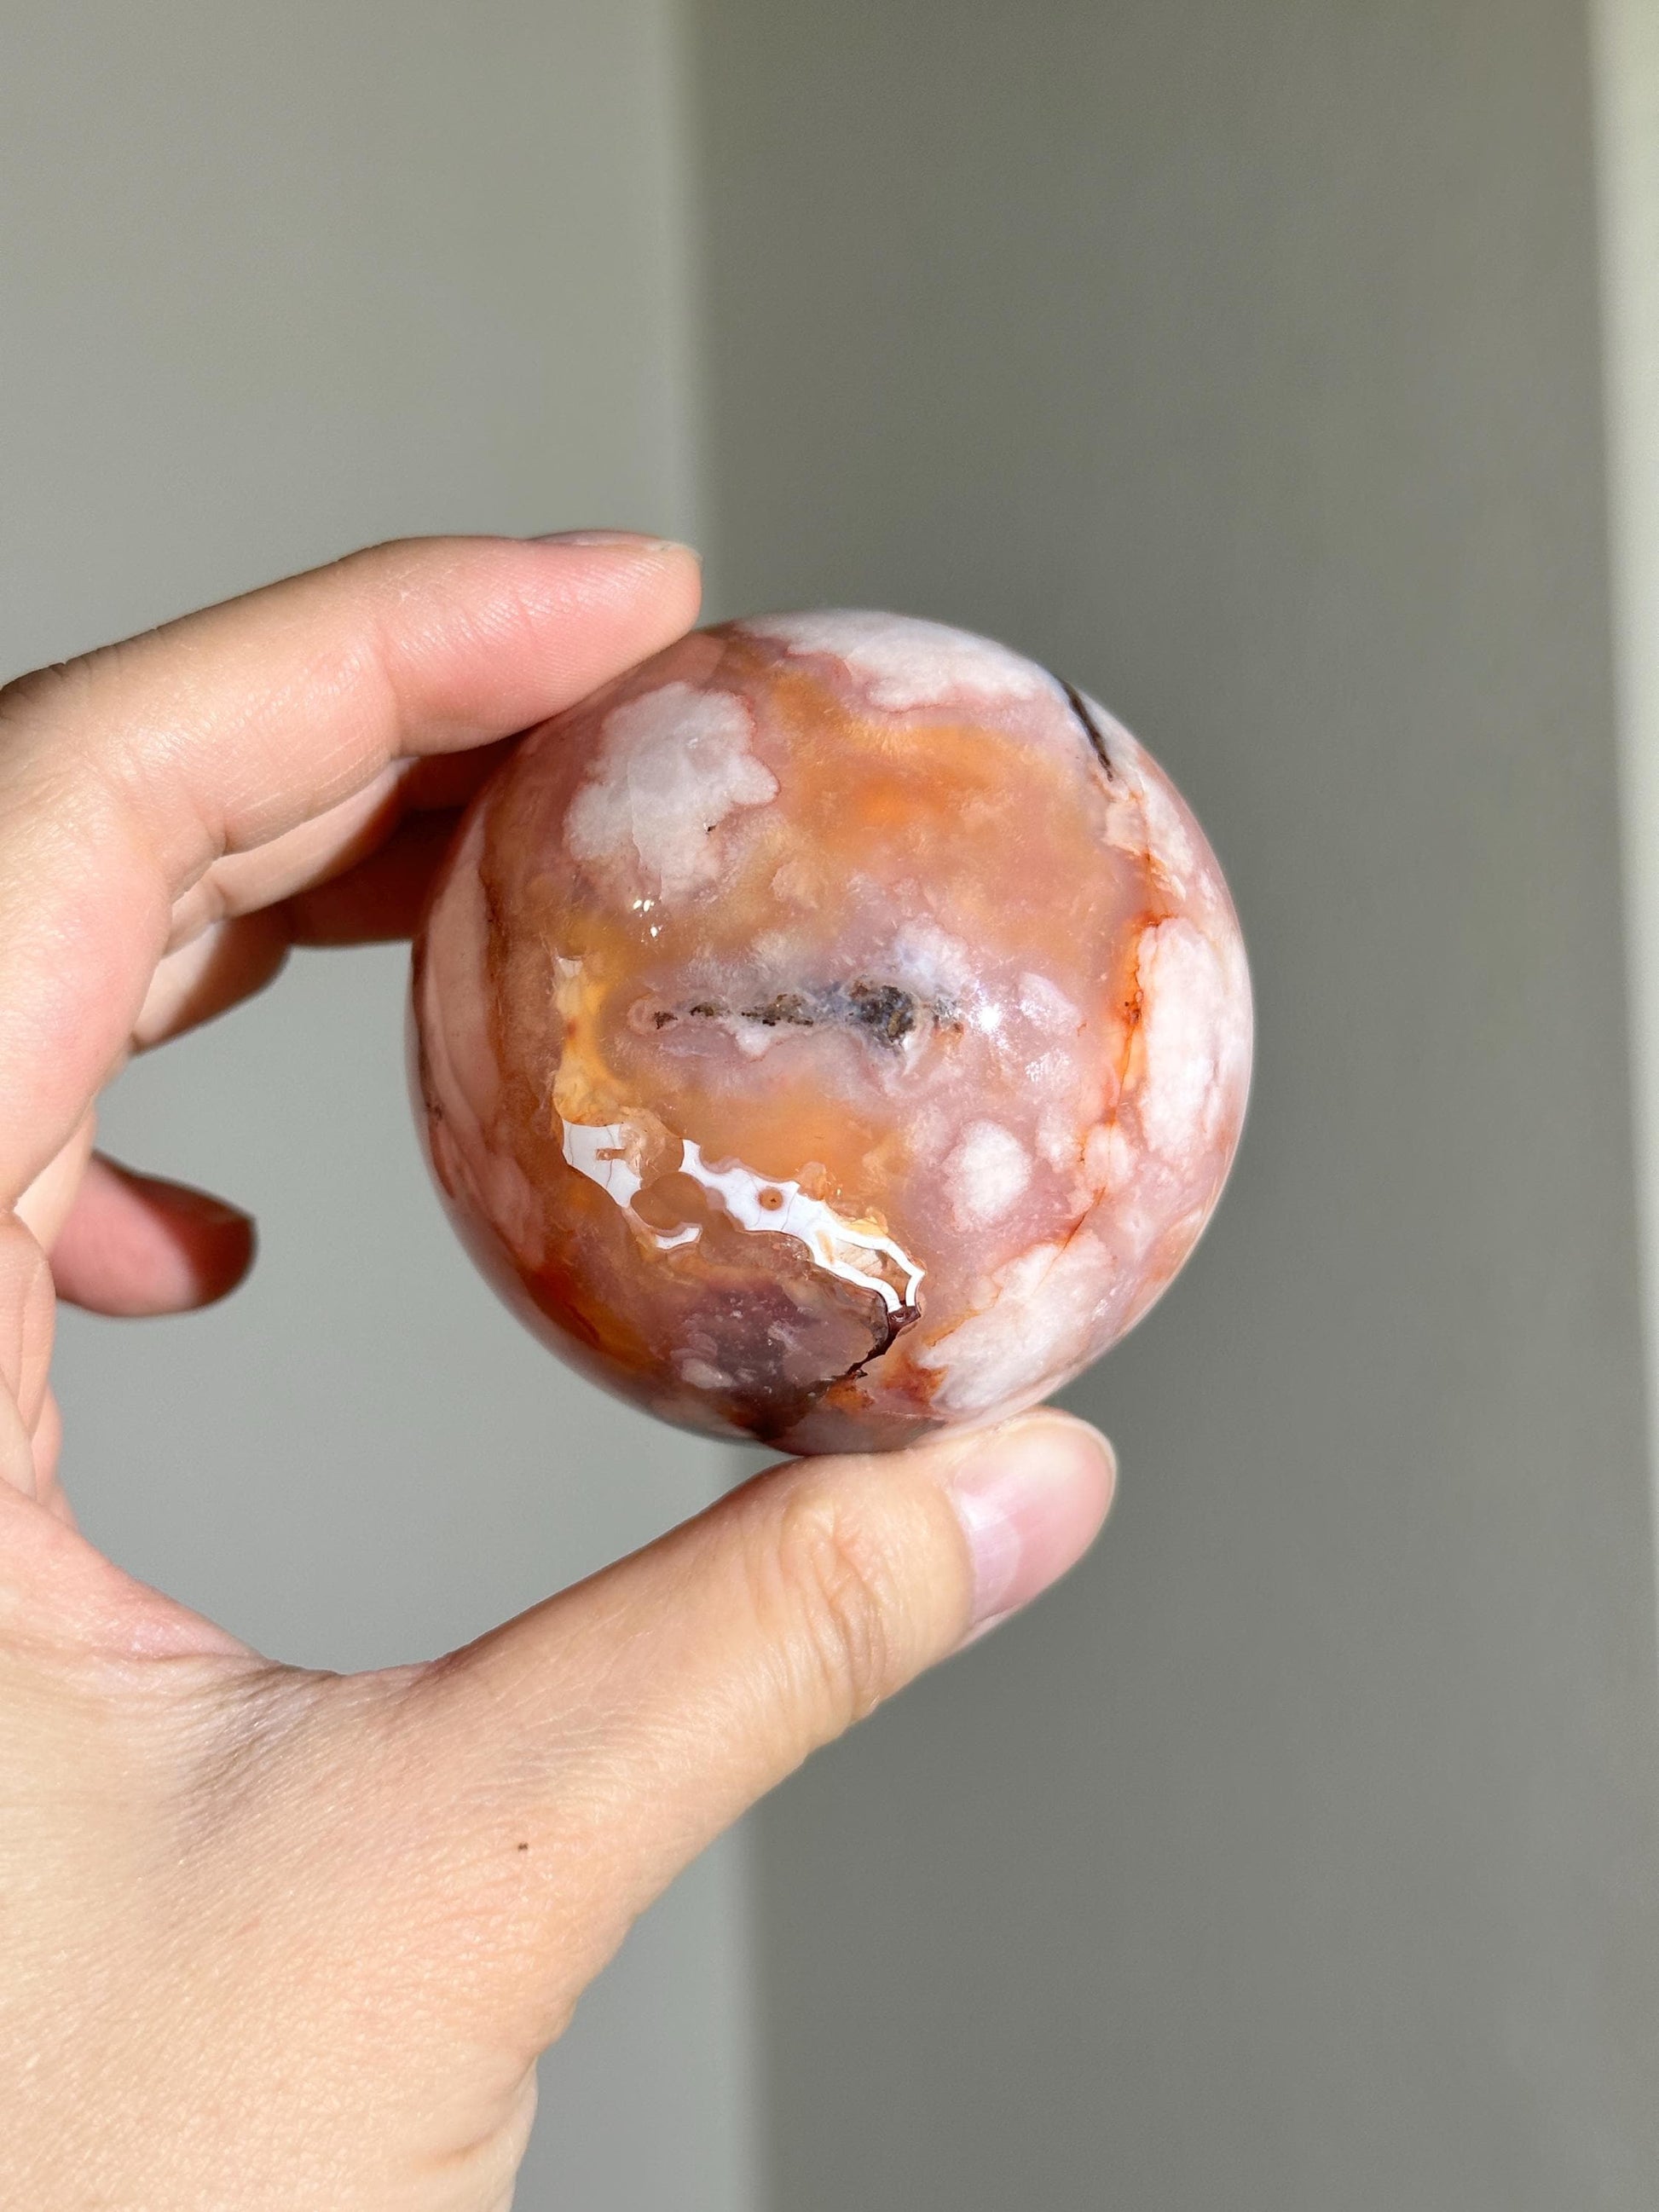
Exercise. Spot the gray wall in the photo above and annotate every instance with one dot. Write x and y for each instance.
(1243, 361)
(274, 282)
(1626, 48)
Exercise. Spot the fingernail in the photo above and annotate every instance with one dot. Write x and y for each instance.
(1030, 1499)
(199, 1204)
(638, 541)
(215, 1212)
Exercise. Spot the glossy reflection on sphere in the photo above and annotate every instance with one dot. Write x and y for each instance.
(835, 1029)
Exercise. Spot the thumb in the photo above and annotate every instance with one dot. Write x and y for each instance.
(598, 1743)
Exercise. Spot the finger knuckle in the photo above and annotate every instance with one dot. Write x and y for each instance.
(51, 715)
(40, 694)
(839, 1592)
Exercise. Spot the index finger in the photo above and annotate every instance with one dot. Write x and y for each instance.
(126, 775)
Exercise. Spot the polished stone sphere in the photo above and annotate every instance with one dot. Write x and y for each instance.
(834, 1029)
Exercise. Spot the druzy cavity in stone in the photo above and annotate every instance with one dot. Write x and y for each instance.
(834, 1029)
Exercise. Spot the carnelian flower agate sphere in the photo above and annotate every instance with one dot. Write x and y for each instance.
(834, 1029)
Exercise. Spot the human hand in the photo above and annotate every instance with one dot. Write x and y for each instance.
(275, 1938)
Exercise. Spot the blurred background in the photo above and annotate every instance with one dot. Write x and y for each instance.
(1288, 375)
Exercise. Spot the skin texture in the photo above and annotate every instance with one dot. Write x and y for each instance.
(276, 1939)
(835, 1030)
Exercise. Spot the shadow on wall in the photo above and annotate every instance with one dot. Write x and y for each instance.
(1242, 364)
